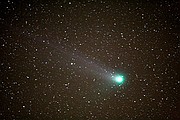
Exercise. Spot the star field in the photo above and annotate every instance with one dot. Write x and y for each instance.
(59, 58)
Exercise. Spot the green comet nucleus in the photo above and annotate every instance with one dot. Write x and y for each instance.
(119, 79)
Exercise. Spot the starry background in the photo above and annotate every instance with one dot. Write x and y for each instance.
(55, 56)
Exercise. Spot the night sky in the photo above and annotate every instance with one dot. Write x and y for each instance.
(59, 60)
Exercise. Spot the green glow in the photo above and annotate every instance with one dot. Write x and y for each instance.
(119, 79)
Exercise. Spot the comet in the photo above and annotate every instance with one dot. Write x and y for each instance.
(119, 79)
